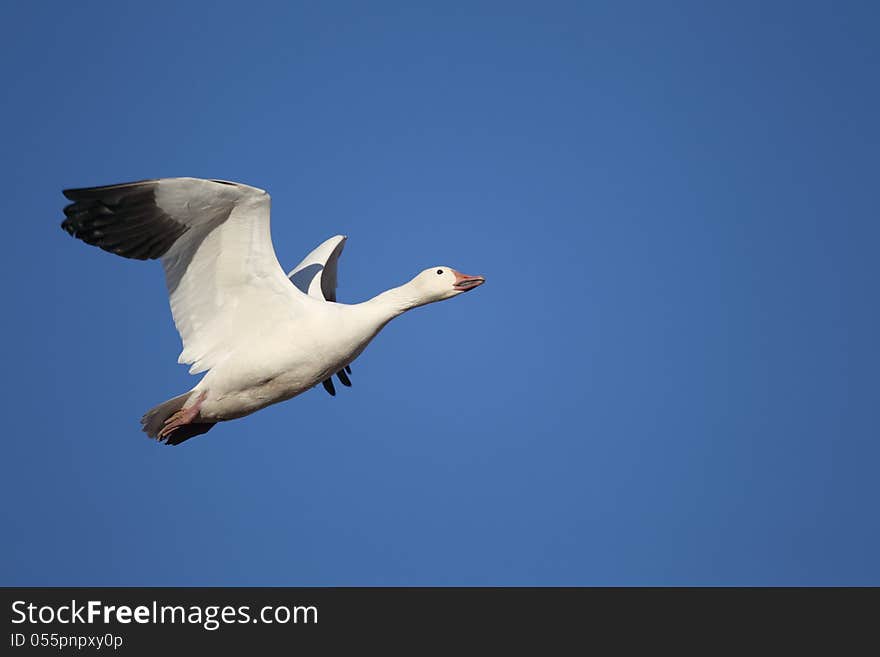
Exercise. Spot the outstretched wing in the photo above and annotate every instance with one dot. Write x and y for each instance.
(224, 282)
(316, 276)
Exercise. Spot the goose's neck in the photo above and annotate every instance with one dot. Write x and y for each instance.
(392, 303)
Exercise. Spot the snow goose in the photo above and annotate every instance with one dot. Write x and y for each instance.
(260, 336)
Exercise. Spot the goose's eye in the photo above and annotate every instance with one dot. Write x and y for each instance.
(439, 271)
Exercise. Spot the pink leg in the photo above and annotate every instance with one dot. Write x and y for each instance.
(181, 417)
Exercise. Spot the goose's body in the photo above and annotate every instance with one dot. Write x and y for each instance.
(262, 373)
(261, 336)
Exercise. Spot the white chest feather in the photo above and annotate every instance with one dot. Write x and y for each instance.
(287, 360)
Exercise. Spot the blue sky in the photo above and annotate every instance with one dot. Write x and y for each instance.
(670, 375)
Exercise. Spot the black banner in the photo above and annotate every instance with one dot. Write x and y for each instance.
(136, 620)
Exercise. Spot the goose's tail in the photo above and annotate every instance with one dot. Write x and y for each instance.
(156, 419)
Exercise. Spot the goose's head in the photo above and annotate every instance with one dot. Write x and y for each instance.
(441, 282)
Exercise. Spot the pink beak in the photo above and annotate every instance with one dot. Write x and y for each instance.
(465, 282)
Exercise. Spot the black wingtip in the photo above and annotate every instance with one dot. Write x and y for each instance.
(329, 387)
(122, 219)
(343, 378)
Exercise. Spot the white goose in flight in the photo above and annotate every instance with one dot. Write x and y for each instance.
(261, 336)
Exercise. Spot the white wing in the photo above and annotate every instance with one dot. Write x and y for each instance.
(316, 275)
(225, 284)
